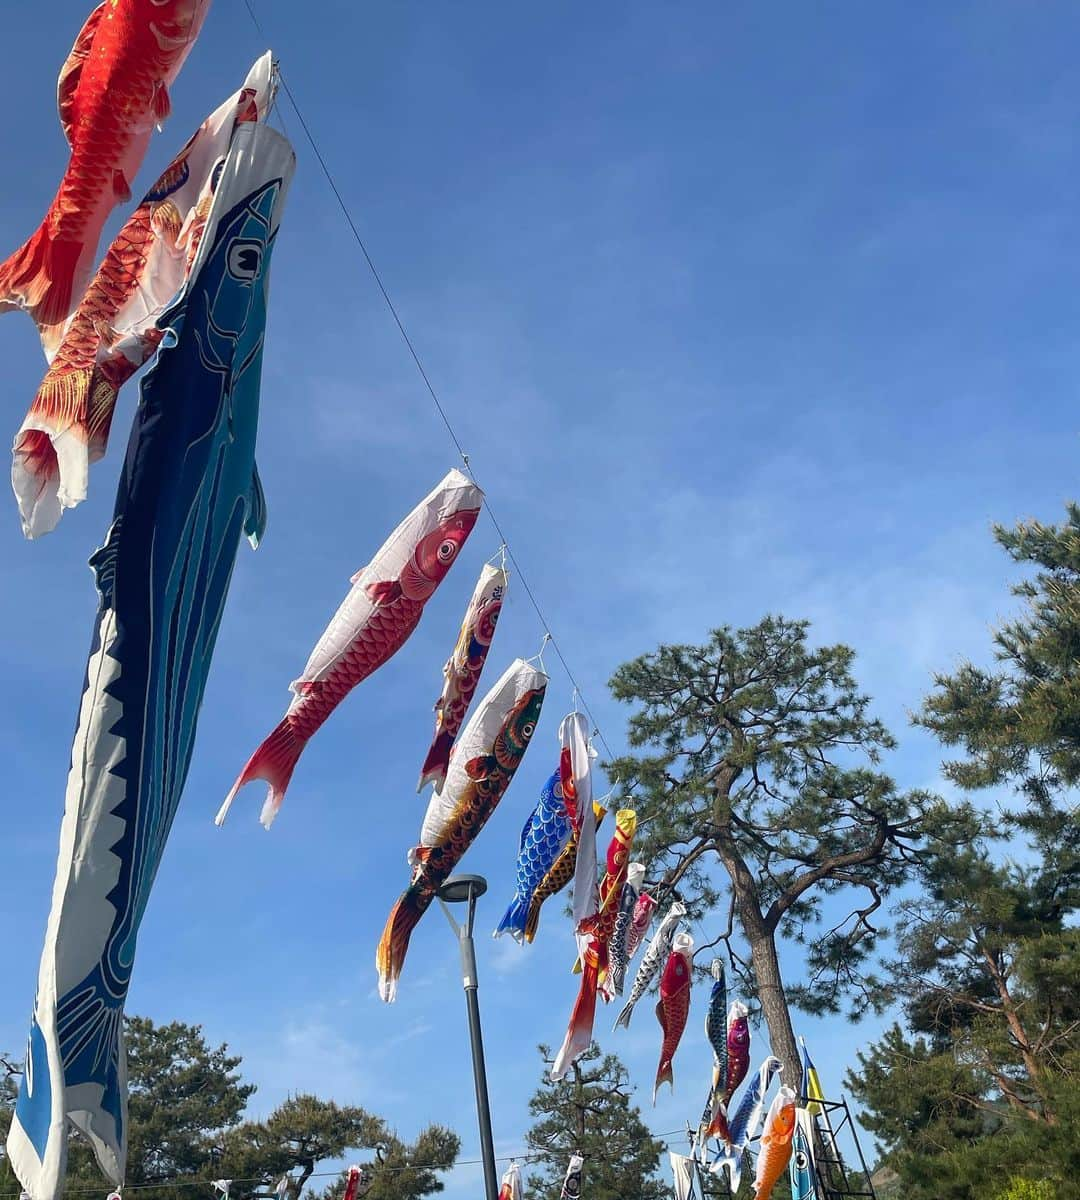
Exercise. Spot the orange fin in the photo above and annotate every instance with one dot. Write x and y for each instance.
(121, 187)
(67, 86)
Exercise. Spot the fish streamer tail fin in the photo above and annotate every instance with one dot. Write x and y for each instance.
(515, 920)
(66, 429)
(532, 920)
(394, 943)
(623, 1018)
(42, 277)
(733, 1161)
(273, 762)
(579, 1032)
(437, 762)
(665, 1073)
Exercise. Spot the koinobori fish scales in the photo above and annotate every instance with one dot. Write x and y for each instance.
(743, 1125)
(114, 330)
(639, 923)
(673, 1007)
(774, 1150)
(188, 489)
(738, 1063)
(597, 931)
(491, 748)
(543, 839)
(373, 623)
(559, 875)
(716, 1032)
(653, 962)
(113, 90)
(462, 671)
(618, 954)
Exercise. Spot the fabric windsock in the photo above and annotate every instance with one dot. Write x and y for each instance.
(571, 1188)
(618, 955)
(511, 1183)
(802, 1158)
(685, 1175)
(373, 622)
(490, 750)
(187, 492)
(774, 1151)
(114, 330)
(462, 671)
(596, 933)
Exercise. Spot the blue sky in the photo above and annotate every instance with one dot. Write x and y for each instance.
(736, 309)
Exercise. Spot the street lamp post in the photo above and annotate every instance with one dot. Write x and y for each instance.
(457, 890)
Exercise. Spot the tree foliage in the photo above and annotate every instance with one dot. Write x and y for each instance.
(590, 1113)
(758, 790)
(187, 1104)
(986, 1085)
(1019, 723)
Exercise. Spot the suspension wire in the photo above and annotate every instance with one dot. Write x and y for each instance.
(197, 1181)
(248, 4)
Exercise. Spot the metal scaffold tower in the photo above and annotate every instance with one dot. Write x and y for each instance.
(835, 1177)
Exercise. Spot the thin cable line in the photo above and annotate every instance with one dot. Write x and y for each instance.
(428, 384)
(196, 1181)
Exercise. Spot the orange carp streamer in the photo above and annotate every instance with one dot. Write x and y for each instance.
(774, 1152)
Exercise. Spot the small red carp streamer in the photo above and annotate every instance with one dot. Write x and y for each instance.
(511, 1183)
(112, 91)
(774, 1149)
(489, 752)
(113, 332)
(738, 1063)
(352, 1184)
(374, 621)
(598, 931)
(462, 671)
(639, 923)
(673, 1007)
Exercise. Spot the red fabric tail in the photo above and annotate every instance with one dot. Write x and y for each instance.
(40, 277)
(436, 763)
(273, 762)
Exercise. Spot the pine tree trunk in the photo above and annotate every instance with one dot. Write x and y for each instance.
(774, 1003)
(762, 942)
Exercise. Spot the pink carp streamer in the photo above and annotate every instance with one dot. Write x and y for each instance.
(462, 671)
(374, 621)
(113, 332)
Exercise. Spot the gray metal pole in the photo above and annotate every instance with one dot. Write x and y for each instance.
(472, 1004)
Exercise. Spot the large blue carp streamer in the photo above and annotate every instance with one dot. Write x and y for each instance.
(187, 492)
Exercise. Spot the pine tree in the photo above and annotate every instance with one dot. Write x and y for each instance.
(988, 1084)
(185, 1121)
(758, 794)
(590, 1113)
